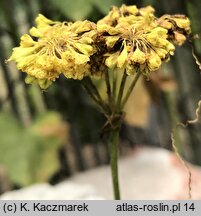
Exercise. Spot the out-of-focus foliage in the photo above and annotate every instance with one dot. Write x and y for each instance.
(81, 9)
(30, 155)
(105, 5)
(69, 8)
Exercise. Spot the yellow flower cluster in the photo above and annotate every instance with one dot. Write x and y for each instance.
(59, 48)
(137, 41)
(178, 27)
(127, 38)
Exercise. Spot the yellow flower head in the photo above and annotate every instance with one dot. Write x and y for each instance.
(128, 38)
(134, 40)
(178, 27)
(137, 40)
(59, 48)
(127, 14)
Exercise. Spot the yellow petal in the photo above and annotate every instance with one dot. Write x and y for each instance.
(82, 26)
(166, 24)
(170, 48)
(35, 32)
(160, 32)
(121, 60)
(147, 10)
(183, 23)
(111, 61)
(20, 52)
(102, 27)
(42, 20)
(154, 61)
(106, 28)
(138, 56)
(129, 9)
(44, 83)
(179, 38)
(86, 40)
(130, 69)
(115, 13)
(30, 80)
(25, 62)
(111, 40)
(78, 58)
(157, 35)
(27, 41)
(162, 53)
(84, 48)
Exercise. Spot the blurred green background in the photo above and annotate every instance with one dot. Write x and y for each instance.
(47, 136)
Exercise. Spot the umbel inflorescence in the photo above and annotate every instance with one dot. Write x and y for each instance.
(128, 39)
(126, 43)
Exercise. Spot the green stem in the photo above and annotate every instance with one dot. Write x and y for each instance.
(94, 89)
(121, 90)
(107, 81)
(130, 89)
(90, 93)
(113, 146)
(114, 87)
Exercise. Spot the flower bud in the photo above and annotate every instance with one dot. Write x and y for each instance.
(183, 23)
(111, 61)
(21, 52)
(30, 79)
(154, 61)
(44, 83)
(179, 38)
(170, 48)
(160, 32)
(110, 41)
(42, 21)
(161, 53)
(81, 26)
(35, 32)
(26, 41)
(129, 10)
(147, 10)
(84, 48)
(138, 56)
(130, 69)
(86, 40)
(121, 60)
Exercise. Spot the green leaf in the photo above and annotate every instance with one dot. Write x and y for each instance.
(27, 155)
(75, 10)
(105, 5)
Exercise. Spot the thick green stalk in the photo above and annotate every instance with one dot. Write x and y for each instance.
(113, 146)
